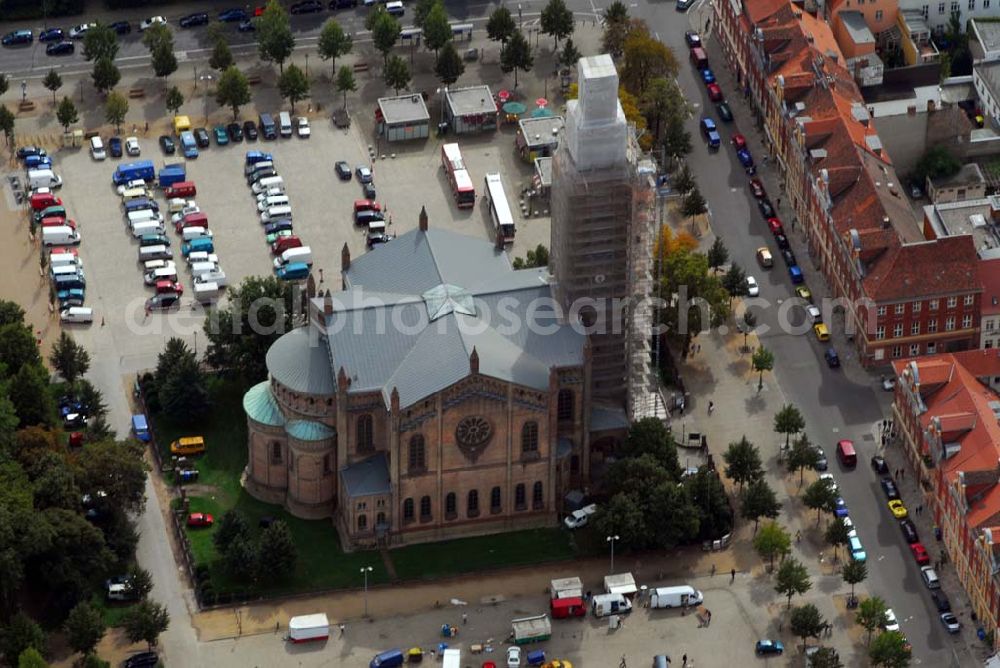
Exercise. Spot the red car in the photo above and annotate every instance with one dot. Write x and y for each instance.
(739, 141)
(200, 520)
(757, 188)
(920, 554)
(168, 287)
(714, 92)
(284, 243)
(775, 226)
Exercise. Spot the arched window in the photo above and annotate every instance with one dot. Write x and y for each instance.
(529, 438)
(495, 500)
(519, 497)
(365, 429)
(425, 508)
(275, 452)
(537, 497)
(472, 506)
(450, 505)
(362, 522)
(380, 520)
(564, 405)
(418, 453)
(408, 510)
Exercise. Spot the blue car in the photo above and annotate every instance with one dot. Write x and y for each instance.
(60, 49)
(707, 75)
(115, 147)
(51, 35)
(841, 509)
(234, 14)
(121, 27)
(18, 37)
(221, 137)
(710, 132)
(189, 147)
(37, 162)
(768, 647)
(795, 274)
(857, 550)
(246, 26)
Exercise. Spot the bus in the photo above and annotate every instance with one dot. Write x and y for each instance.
(503, 221)
(461, 183)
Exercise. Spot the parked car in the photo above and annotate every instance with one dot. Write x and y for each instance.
(930, 577)
(802, 292)
(840, 510)
(26, 151)
(856, 548)
(78, 31)
(692, 38)
(753, 289)
(890, 621)
(765, 647)
(343, 170)
(831, 357)
(950, 622)
(302, 126)
(821, 462)
(725, 113)
(142, 660)
(246, 26)
(889, 487)
(115, 147)
(221, 136)
(513, 657)
(707, 75)
(250, 130)
(132, 146)
(167, 144)
(235, 132)
(121, 27)
(941, 601)
(757, 189)
(920, 554)
(364, 174)
(909, 530)
(897, 509)
(683, 6)
(201, 137)
(232, 15)
(18, 37)
(200, 520)
(306, 7)
(51, 35)
(765, 207)
(714, 92)
(192, 20)
(879, 465)
(163, 302)
(60, 49)
(146, 24)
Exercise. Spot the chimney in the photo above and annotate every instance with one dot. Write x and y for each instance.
(930, 105)
(911, 110)
(328, 304)
(423, 218)
(474, 361)
(310, 287)
(345, 258)
(343, 382)
(394, 401)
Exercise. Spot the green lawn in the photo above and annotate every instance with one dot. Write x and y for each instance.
(321, 563)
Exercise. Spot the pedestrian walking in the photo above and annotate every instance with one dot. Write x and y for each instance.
(684, 661)
(711, 407)
(732, 576)
(798, 536)
(704, 442)
(779, 202)
(465, 618)
(342, 627)
(713, 570)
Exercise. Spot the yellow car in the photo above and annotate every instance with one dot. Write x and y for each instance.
(898, 509)
(822, 333)
(802, 292)
(558, 663)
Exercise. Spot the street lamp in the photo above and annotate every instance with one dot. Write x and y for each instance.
(520, 21)
(207, 77)
(24, 91)
(612, 539)
(365, 571)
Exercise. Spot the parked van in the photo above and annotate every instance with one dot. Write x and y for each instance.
(196, 219)
(140, 427)
(259, 166)
(40, 201)
(267, 127)
(272, 201)
(150, 265)
(134, 193)
(206, 293)
(201, 244)
(661, 661)
(202, 256)
(216, 276)
(142, 216)
(294, 271)
(395, 8)
(155, 239)
(154, 253)
(285, 124)
(698, 57)
(140, 204)
(269, 183)
(564, 608)
(452, 656)
(301, 254)
(201, 268)
(603, 605)
(253, 157)
(58, 211)
(846, 454)
(63, 258)
(61, 235)
(56, 222)
(77, 314)
(189, 233)
(182, 189)
(147, 227)
(71, 297)
(176, 204)
(392, 658)
(675, 597)
(43, 178)
(162, 274)
(276, 213)
(284, 243)
(188, 445)
(65, 270)
(74, 282)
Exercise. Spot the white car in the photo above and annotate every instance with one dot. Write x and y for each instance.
(752, 288)
(579, 518)
(179, 216)
(302, 123)
(77, 32)
(513, 657)
(129, 185)
(97, 150)
(829, 476)
(132, 145)
(814, 314)
(891, 623)
(146, 24)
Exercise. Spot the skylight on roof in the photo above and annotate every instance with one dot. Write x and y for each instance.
(446, 298)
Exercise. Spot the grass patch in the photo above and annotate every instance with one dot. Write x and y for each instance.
(112, 613)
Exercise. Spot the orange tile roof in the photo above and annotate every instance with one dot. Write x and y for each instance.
(989, 278)
(759, 10)
(944, 266)
(981, 362)
(822, 35)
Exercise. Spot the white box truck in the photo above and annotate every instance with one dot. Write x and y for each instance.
(43, 178)
(307, 628)
(610, 604)
(452, 658)
(60, 235)
(675, 597)
(205, 293)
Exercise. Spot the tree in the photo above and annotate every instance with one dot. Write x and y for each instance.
(31, 658)
(820, 496)
(570, 55)
(762, 360)
(4, 83)
(274, 35)
(19, 634)
(749, 322)
(537, 257)
(516, 55)
(233, 525)
(743, 463)
(792, 578)
(159, 39)
(69, 358)
(676, 138)
(145, 622)
(801, 456)
(33, 400)
(293, 85)
(890, 650)
(759, 501)
(711, 504)
(825, 657)
(701, 301)
(649, 436)
(11, 313)
(397, 73)
(646, 58)
(717, 254)
(233, 90)
(18, 348)
(385, 33)
(837, 534)
(222, 55)
(93, 661)
(140, 582)
(84, 628)
(277, 550)
(241, 559)
(67, 114)
(373, 16)
(788, 421)
(436, 30)
(105, 75)
(853, 572)
(115, 109)
(100, 42)
(871, 615)
(421, 11)
(500, 26)
(7, 123)
(184, 393)
(806, 622)
(175, 100)
(694, 204)
(735, 281)
(345, 82)
(771, 541)
(937, 162)
(449, 66)
(557, 20)
(52, 82)
(616, 23)
(333, 43)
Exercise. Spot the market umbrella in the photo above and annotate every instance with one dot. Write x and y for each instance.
(541, 112)
(541, 102)
(503, 96)
(515, 108)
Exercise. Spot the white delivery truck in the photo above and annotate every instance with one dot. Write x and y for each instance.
(299, 254)
(675, 597)
(60, 235)
(610, 604)
(43, 178)
(205, 293)
(452, 658)
(307, 628)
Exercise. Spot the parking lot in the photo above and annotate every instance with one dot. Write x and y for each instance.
(322, 209)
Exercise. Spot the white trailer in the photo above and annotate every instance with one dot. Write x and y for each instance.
(620, 583)
(531, 629)
(675, 597)
(566, 588)
(308, 628)
(452, 658)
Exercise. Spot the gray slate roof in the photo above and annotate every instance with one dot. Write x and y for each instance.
(300, 362)
(260, 406)
(425, 354)
(367, 477)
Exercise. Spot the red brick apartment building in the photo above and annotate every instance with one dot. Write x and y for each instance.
(904, 295)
